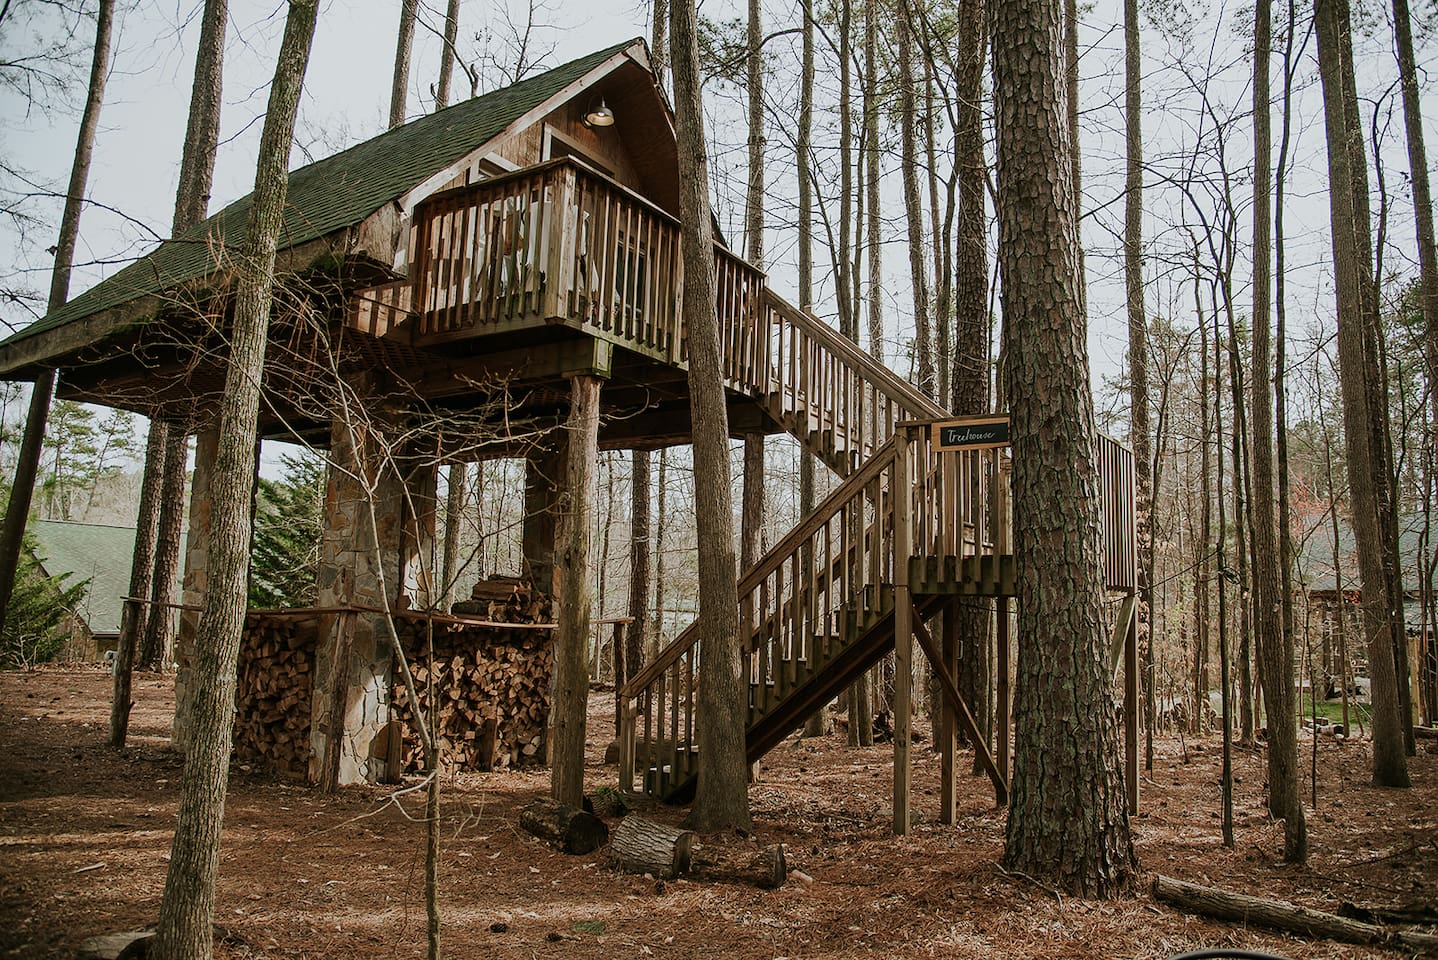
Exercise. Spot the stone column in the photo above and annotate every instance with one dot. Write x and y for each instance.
(359, 567)
(197, 559)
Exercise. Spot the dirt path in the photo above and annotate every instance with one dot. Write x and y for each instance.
(84, 840)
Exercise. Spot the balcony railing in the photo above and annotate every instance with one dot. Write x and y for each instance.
(559, 242)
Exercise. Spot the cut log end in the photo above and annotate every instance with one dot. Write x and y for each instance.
(564, 827)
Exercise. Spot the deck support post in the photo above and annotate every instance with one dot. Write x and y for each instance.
(365, 551)
(196, 577)
(903, 631)
(569, 688)
(948, 721)
(1001, 690)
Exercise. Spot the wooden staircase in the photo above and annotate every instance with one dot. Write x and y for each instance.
(821, 606)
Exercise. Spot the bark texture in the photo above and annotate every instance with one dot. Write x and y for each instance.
(134, 617)
(1066, 733)
(447, 55)
(155, 647)
(721, 799)
(1139, 429)
(570, 691)
(1274, 643)
(913, 205)
(404, 43)
(1364, 407)
(187, 907)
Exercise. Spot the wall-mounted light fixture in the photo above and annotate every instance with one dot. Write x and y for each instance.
(599, 116)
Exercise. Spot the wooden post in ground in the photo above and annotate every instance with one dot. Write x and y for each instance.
(903, 632)
(1001, 691)
(1131, 711)
(948, 723)
(570, 684)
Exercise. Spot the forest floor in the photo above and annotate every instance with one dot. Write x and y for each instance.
(85, 835)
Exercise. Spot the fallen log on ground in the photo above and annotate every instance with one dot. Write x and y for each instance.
(646, 846)
(564, 827)
(1280, 915)
(763, 867)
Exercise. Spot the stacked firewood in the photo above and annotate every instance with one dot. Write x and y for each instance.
(274, 691)
(489, 683)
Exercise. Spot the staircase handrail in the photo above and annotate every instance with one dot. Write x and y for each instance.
(895, 387)
(782, 552)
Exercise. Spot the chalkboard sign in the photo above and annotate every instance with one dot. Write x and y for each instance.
(979, 433)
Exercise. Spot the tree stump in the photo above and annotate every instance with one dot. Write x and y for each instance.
(564, 827)
(644, 846)
(763, 867)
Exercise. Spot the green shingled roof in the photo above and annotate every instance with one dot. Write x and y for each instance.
(333, 193)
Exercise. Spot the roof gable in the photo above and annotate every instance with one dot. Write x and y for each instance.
(330, 194)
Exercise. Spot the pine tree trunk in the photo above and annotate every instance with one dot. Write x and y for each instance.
(913, 205)
(456, 481)
(1066, 734)
(134, 615)
(569, 696)
(639, 551)
(1139, 429)
(721, 799)
(155, 648)
(404, 42)
(187, 907)
(448, 54)
(22, 486)
(970, 379)
(1364, 406)
(1275, 643)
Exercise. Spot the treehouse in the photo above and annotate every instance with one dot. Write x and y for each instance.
(450, 290)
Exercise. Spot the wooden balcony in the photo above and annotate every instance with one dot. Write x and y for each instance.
(559, 243)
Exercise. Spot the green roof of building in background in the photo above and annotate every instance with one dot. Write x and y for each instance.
(332, 193)
(94, 552)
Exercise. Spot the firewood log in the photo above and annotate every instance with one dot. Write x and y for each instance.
(741, 862)
(564, 827)
(645, 846)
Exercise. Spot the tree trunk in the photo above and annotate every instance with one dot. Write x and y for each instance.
(134, 615)
(913, 204)
(404, 42)
(155, 649)
(659, 44)
(872, 243)
(848, 309)
(1064, 761)
(721, 800)
(454, 499)
(1275, 644)
(570, 684)
(639, 550)
(187, 906)
(448, 54)
(970, 378)
(814, 726)
(22, 487)
(1139, 429)
(763, 867)
(1364, 405)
